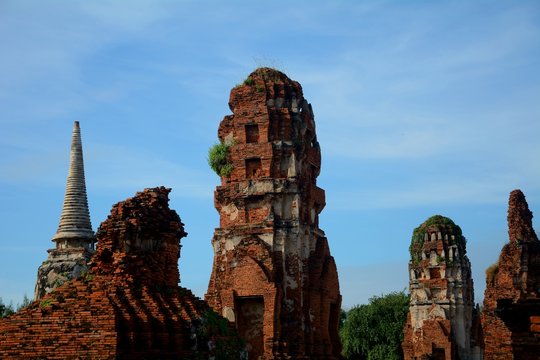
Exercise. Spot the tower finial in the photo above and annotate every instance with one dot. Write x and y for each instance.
(75, 229)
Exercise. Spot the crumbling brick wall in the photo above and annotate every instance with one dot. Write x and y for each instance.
(512, 299)
(129, 305)
(273, 275)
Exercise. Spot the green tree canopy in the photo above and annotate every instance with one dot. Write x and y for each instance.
(375, 331)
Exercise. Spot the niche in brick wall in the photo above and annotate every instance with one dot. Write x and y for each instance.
(255, 211)
(252, 133)
(253, 168)
(435, 273)
(250, 316)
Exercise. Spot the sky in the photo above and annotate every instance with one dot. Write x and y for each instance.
(421, 108)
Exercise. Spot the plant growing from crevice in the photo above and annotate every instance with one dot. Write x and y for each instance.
(219, 159)
(269, 73)
(440, 259)
(491, 272)
(45, 303)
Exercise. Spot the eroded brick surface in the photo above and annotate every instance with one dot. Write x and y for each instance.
(442, 321)
(273, 275)
(512, 297)
(128, 306)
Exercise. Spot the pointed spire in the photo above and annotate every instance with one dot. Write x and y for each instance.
(520, 227)
(75, 229)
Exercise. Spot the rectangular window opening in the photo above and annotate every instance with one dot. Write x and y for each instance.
(252, 133)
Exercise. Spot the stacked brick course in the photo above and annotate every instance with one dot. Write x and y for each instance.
(442, 320)
(273, 275)
(129, 305)
(511, 316)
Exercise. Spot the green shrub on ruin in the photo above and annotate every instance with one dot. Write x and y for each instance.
(491, 272)
(219, 159)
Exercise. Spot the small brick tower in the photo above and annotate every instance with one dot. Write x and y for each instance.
(273, 275)
(511, 316)
(74, 238)
(442, 320)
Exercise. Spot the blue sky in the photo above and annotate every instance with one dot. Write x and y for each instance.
(421, 108)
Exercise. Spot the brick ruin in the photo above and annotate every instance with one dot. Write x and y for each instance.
(442, 322)
(511, 315)
(273, 275)
(74, 238)
(129, 304)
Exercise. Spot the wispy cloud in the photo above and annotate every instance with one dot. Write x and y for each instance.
(44, 62)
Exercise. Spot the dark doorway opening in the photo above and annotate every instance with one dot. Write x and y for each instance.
(249, 320)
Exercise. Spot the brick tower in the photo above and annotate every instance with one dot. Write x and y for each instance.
(273, 275)
(511, 316)
(442, 319)
(74, 238)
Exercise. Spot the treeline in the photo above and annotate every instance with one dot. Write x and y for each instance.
(375, 331)
(6, 310)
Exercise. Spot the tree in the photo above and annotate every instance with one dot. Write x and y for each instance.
(375, 331)
(25, 302)
(6, 310)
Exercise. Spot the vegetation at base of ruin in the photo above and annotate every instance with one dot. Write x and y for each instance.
(9, 309)
(491, 272)
(215, 338)
(375, 331)
(219, 160)
(417, 240)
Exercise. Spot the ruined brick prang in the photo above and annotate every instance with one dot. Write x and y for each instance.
(442, 322)
(74, 238)
(511, 315)
(273, 275)
(129, 305)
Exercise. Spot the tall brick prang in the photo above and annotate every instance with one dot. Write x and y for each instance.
(74, 238)
(511, 316)
(129, 304)
(442, 319)
(273, 275)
